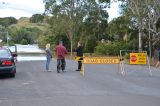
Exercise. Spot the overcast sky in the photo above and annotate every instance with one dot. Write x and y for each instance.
(20, 8)
(26, 8)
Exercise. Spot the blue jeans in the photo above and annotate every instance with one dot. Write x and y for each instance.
(47, 63)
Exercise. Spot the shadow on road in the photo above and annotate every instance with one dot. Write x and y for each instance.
(5, 76)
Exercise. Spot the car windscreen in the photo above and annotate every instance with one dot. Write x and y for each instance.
(4, 53)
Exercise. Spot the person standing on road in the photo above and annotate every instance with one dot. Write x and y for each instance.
(158, 57)
(48, 56)
(61, 52)
(79, 53)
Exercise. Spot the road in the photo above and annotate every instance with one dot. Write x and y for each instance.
(102, 85)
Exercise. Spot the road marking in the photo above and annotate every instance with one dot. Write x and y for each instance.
(27, 83)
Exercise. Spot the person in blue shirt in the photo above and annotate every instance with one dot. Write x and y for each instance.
(48, 56)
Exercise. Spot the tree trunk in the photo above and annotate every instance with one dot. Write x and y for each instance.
(71, 46)
(150, 42)
(140, 35)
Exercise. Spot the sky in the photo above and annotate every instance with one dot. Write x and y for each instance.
(20, 8)
(26, 8)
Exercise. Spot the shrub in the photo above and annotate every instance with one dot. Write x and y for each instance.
(126, 56)
(24, 42)
(110, 48)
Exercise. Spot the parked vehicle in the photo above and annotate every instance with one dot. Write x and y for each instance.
(7, 61)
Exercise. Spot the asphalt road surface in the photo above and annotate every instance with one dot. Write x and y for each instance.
(102, 85)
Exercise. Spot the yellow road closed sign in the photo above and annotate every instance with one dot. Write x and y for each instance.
(101, 60)
(138, 58)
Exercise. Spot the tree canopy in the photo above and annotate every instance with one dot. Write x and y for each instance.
(37, 18)
(7, 21)
(77, 18)
(138, 27)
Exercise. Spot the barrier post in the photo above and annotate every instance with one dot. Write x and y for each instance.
(149, 66)
(121, 63)
(122, 71)
(82, 67)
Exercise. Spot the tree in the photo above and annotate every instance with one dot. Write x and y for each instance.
(13, 33)
(7, 21)
(2, 28)
(35, 33)
(120, 28)
(139, 12)
(37, 18)
(145, 14)
(22, 34)
(28, 34)
(153, 19)
(69, 15)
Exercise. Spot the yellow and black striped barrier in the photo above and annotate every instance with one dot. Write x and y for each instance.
(78, 58)
(101, 60)
(97, 60)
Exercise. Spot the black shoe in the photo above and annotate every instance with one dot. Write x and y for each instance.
(58, 71)
(78, 70)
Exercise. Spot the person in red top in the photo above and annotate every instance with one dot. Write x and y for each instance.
(61, 52)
